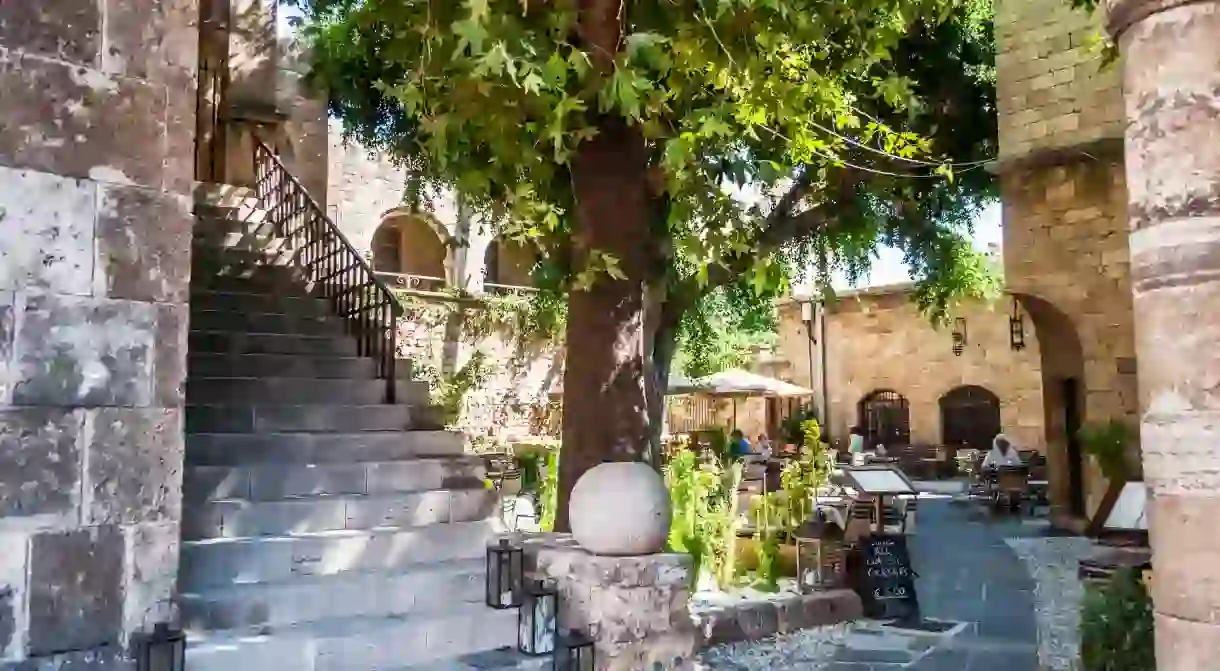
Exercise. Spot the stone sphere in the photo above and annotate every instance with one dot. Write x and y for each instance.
(620, 509)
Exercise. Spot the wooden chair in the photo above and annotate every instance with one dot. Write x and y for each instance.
(1010, 487)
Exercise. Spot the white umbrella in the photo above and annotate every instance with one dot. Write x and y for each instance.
(736, 382)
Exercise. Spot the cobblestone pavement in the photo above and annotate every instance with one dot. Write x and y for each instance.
(968, 574)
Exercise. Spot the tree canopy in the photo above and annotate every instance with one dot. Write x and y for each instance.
(663, 151)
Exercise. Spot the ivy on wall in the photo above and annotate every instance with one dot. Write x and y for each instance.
(529, 324)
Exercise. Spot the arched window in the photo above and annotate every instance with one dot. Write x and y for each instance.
(407, 252)
(969, 417)
(885, 417)
(508, 264)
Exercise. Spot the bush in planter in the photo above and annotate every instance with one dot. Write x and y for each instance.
(1116, 626)
(1109, 443)
(704, 500)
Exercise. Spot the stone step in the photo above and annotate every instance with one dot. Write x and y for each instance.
(314, 418)
(223, 561)
(269, 343)
(357, 644)
(429, 589)
(256, 282)
(299, 391)
(222, 196)
(243, 519)
(220, 301)
(506, 658)
(280, 365)
(276, 482)
(222, 235)
(236, 449)
(266, 322)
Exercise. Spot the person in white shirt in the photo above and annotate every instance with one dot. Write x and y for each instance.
(1003, 453)
(855, 446)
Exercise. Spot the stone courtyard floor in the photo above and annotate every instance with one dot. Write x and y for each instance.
(1009, 587)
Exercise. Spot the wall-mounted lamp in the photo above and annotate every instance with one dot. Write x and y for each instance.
(959, 336)
(1016, 327)
(808, 318)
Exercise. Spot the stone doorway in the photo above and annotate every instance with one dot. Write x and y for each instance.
(885, 417)
(969, 417)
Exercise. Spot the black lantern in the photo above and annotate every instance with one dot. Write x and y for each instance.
(504, 575)
(821, 556)
(162, 650)
(959, 336)
(1016, 327)
(575, 653)
(537, 621)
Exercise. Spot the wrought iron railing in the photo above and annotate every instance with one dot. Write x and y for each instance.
(414, 282)
(331, 264)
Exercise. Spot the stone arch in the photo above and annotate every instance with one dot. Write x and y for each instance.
(508, 263)
(412, 250)
(969, 417)
(885, 417)
(1063, 375)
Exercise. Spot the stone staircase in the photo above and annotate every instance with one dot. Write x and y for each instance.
(323, 529)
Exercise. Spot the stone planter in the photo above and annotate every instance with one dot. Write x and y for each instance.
(620, 509)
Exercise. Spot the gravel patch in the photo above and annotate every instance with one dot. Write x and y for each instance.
(807, 650)
(1052, 563)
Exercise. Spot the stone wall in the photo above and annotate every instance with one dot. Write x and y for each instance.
(1065, 217)
(440, 334)
(1052, 90)
(877, 339)
(96, 162)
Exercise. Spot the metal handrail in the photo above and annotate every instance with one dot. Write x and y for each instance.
(337, 271)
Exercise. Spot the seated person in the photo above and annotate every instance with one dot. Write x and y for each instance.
(1003, 454)
(764, 446)
(738, 445)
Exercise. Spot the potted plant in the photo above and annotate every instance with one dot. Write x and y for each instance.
(1109, 443)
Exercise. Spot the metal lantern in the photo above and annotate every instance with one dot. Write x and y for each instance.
(537, 621)
(575, 653)
(1016, 327)
(959, 336)
(821, 558)
(504, 572)
(162, 650)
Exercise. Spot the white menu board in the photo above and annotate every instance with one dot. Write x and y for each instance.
(879, 481)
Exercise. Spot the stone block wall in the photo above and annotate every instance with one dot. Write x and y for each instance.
(1052, 89)
(96, 162)
(1065, 213)
(1067, 227)
(878, 340)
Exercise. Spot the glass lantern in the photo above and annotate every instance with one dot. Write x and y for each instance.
(575, 653)
(537, 621)
(504, 573)
(162, 650)
(820, 556)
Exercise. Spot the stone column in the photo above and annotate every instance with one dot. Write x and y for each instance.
(96, 167)
(1171, 51)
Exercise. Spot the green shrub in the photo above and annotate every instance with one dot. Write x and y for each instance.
(1116, 627)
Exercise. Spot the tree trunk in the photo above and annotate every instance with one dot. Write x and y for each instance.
(605, 409)
(662, 344)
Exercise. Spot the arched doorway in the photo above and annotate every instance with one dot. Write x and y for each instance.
(885, 417)
(969, 417)
(1062, 360)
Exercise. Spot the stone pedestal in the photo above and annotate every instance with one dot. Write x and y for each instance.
(635, 608)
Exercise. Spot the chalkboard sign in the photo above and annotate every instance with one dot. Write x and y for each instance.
(883, 577)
